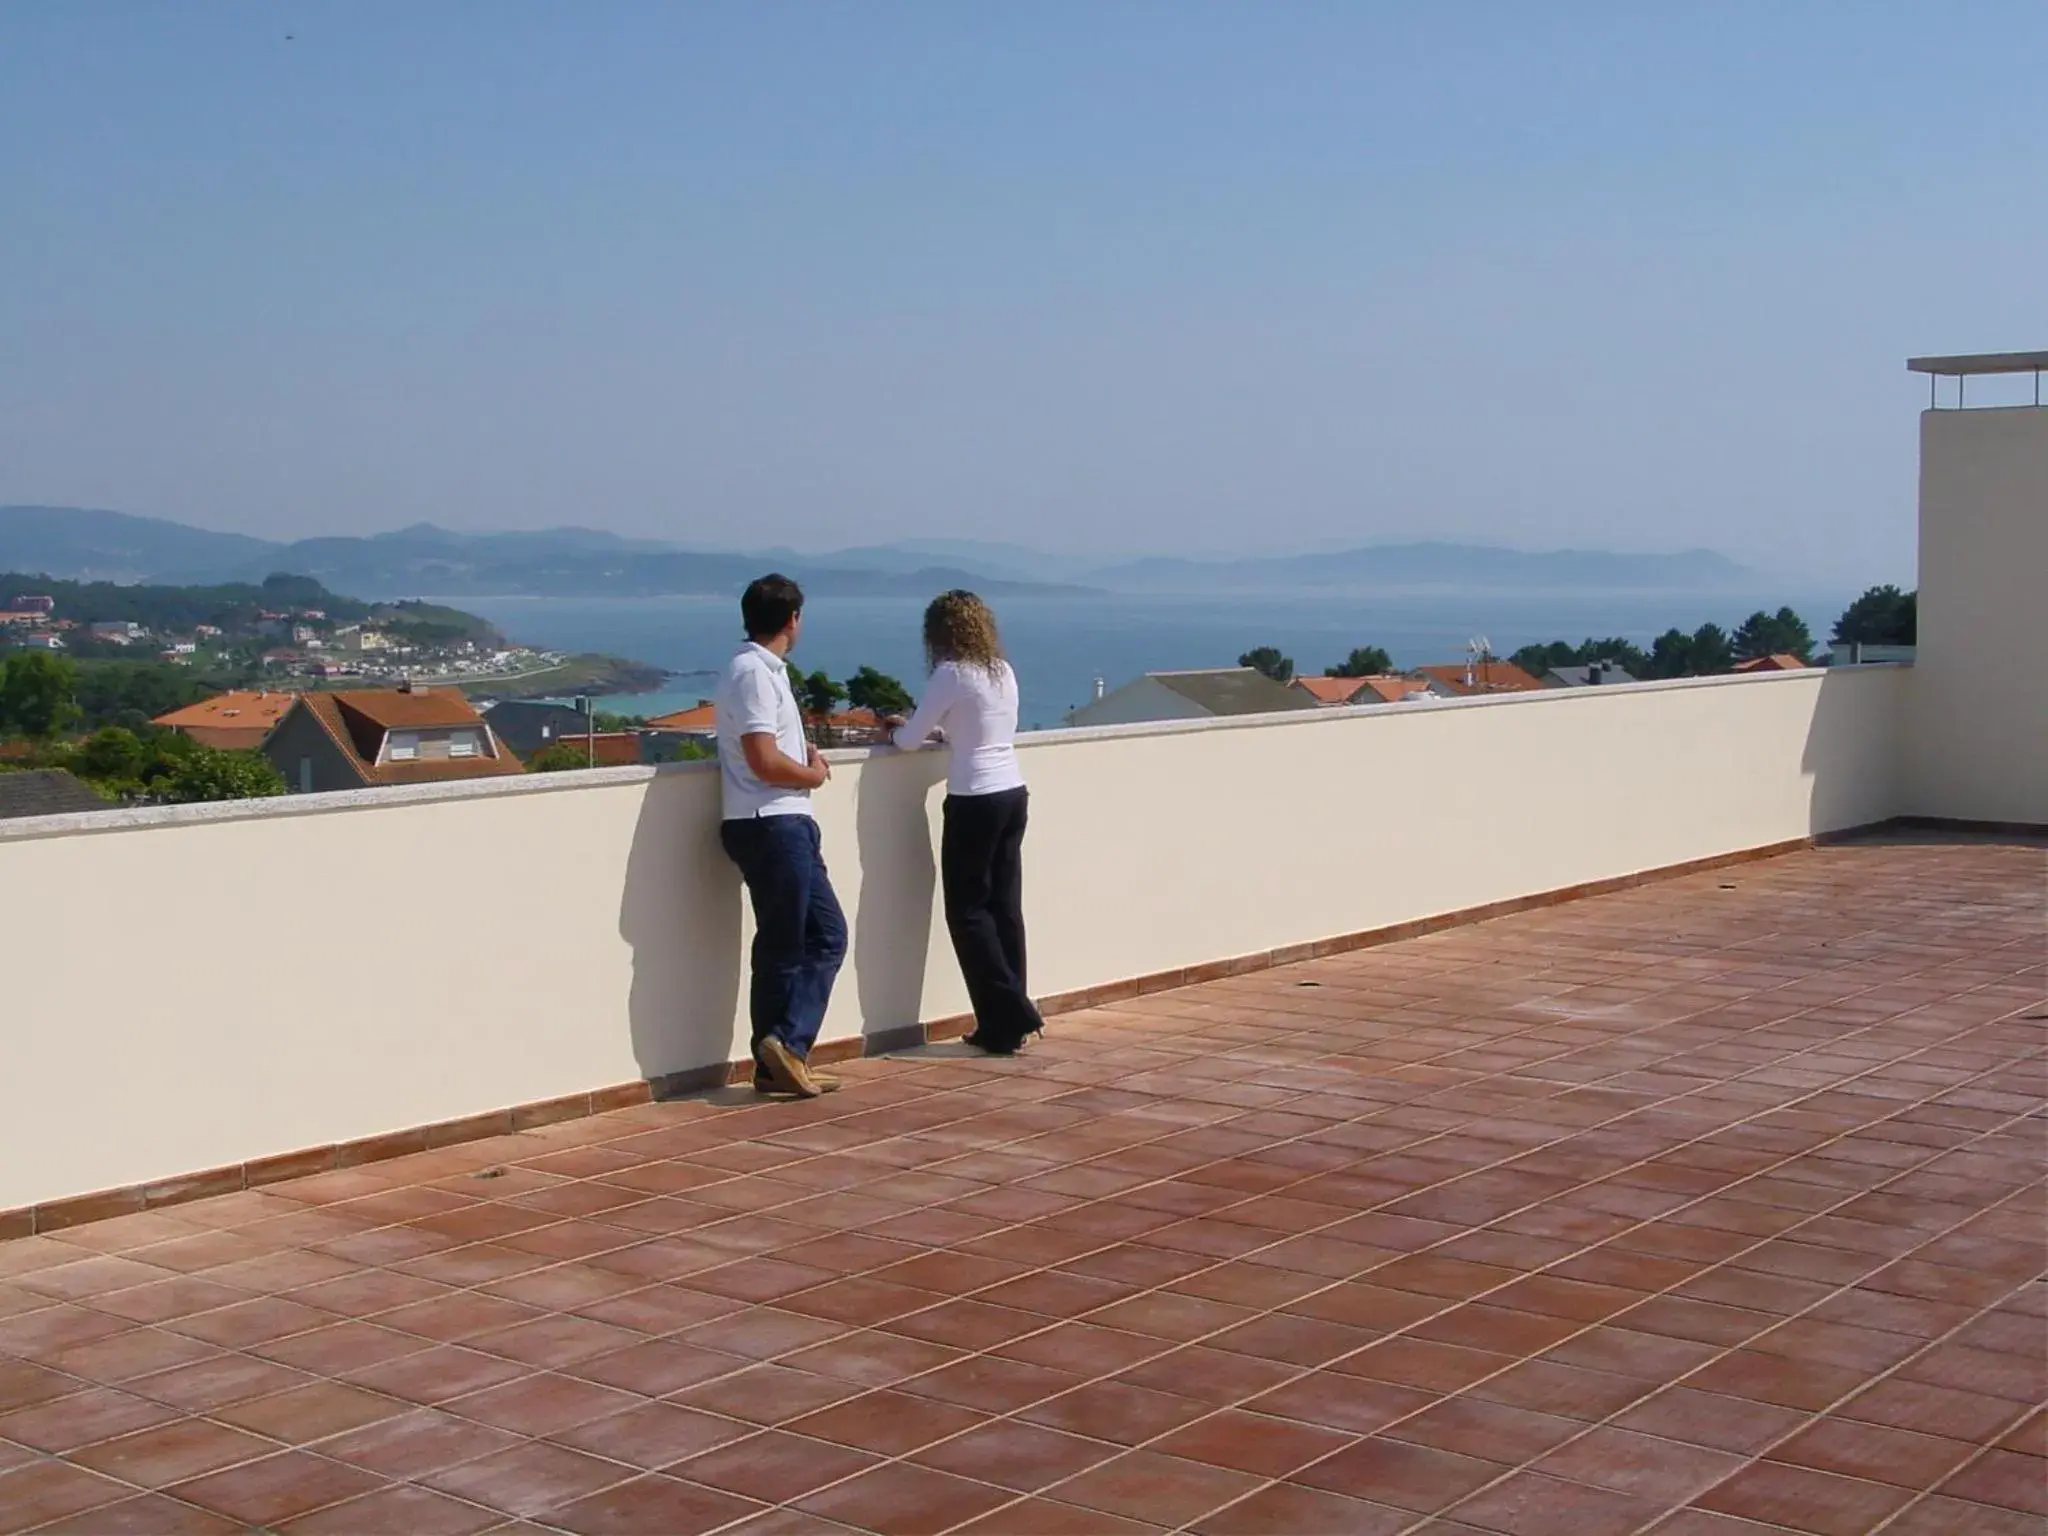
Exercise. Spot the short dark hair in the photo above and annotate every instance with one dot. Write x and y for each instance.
(768, 604)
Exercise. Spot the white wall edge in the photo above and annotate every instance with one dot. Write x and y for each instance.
(144, 818)
(583, 941)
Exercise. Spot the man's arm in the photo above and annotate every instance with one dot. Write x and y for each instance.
(774, 766)
(755, 708)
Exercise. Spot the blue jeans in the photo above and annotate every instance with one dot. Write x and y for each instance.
(799, 930)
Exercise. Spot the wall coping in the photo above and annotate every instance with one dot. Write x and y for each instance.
(391, 797)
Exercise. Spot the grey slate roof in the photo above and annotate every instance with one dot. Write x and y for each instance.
(46, 792)
(1234, 691)
(1580, 677)
(527, 725)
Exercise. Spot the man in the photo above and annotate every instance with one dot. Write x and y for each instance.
(767, 770)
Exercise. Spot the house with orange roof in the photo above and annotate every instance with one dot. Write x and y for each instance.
(1778, 661)
(700, 719)
(852, 728)
(360, 737)
(1330, 692)
(1478, 678)
(238, 720)
(1392, 690)
(1338, 692)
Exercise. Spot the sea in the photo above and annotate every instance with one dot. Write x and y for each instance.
(1060, 643)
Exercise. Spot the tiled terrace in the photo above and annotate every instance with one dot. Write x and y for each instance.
(1715, 1207)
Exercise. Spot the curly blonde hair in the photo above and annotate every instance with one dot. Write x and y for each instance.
(959, 627)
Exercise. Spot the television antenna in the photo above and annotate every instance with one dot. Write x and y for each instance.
(1478, 651)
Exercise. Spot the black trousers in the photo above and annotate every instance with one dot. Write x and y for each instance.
(981, 864)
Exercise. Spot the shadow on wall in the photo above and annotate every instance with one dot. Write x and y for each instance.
(680, 912)
(1854, 756)
(892, 928)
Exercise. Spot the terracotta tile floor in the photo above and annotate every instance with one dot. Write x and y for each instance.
(1716, 1207)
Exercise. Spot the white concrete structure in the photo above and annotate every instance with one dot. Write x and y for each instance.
(1979, 726)
(167, 1012)
(584, 929)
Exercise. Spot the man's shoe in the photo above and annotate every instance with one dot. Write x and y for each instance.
(825, 1082)
(786, 1071)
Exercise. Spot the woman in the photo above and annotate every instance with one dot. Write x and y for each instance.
(970, 701)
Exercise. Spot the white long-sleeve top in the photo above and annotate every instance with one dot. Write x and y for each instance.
(977, 710)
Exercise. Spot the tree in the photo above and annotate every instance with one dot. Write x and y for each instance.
(116, 692)
(1700, 654)
(1266, 659)
(111, 755)
(878, 691)
(1538, 659)
(207, 773)
(818, 695)
(1625, 654)
(166, 609)
(691, 750)
(1668, 654)
(1711, 652)
(283, 590)
(1768, 634)
(1671, 655)
(35, 695)
(558, 758)
(1703, 653)
(1882, 616)
(1364, 661)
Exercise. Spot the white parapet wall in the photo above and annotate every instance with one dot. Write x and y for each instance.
(195, 987)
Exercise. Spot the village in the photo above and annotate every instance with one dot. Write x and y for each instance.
(292, 645)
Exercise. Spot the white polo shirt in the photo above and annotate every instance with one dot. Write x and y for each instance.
(754, 697)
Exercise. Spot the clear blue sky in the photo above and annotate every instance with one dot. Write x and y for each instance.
(1128, 275)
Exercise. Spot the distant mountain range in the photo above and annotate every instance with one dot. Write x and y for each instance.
(80, 544)
(77, 544)
(1427, 565)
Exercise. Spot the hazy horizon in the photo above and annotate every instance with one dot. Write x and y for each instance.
(1102, 554)
(1107, 280)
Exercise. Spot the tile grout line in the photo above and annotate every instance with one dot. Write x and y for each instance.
(1610, 1320)
(1935, 1154)
(1812, 1415)
(1379, 1110)
(1228, 1207)
(1936, 1151)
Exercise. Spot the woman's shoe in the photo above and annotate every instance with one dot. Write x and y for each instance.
(982, 1041)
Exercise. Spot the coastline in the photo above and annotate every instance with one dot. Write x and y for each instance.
(585, 672)
(1061, 645)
